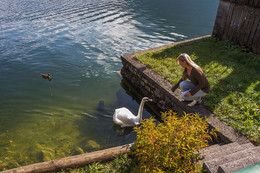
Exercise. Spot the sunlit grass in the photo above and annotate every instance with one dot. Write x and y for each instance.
(233, 73)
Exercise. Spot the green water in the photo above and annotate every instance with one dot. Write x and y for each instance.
(44, 131)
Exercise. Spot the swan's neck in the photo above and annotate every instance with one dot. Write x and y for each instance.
(140, 111)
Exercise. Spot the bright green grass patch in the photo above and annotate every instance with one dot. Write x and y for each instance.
(233, 73)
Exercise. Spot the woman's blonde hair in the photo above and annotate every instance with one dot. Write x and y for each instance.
(185, 57)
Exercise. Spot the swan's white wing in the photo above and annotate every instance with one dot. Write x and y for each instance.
(116, 119)
(125, 116)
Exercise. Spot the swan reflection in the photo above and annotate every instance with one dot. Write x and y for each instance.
(122, 131)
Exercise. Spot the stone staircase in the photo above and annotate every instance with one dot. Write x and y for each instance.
(230, 157)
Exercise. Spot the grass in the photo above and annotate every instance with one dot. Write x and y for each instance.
(122, 164)
(233, 73)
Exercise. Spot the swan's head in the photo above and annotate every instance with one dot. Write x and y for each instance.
(146, 99)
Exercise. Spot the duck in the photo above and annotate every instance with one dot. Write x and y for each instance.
(46, 76)
(125, 118)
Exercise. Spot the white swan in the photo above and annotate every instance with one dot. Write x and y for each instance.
(125, 118)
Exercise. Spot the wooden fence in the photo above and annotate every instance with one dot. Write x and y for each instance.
(239, 22)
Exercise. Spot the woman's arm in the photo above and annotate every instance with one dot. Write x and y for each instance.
(184, 77)
(176, 85)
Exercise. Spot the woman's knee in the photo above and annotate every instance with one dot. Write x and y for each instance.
(183, 84)
(186, 85)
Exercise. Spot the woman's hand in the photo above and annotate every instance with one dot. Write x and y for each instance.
(187, 94)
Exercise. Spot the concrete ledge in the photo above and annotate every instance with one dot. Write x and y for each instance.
(73, 161)
(151, 84)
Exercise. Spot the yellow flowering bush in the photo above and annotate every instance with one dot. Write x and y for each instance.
(173, 145)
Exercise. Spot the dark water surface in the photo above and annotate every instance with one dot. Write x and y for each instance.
(79, 42)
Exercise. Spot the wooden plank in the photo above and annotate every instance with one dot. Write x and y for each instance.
(256, 3)
(251, 3)
(232, 27)
(241, 30)
(249, 25)
(243, 2)
(221, 19)
(73, 161)
(243, 26)
(246, 28)
(258, 50)
(247, 2)
(217, 29)
(256, 40)
(256, 47)
(228, 23)
(254, 28)
(232, 24)
(236, 24)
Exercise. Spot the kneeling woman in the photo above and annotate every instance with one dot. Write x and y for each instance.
(198, 86)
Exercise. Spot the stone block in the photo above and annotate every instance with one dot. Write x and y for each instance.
(228, 150)
(228, 156)
(238, 164)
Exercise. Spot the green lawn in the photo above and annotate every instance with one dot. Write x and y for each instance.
(233, 73)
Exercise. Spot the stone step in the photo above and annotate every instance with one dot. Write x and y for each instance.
(226, 151)
(238, 164)
(212, 165)
(215, 148)
(212, 147)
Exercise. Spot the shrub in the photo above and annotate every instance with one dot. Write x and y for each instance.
(171, 146)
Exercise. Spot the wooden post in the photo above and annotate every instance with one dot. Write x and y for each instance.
(239, 21)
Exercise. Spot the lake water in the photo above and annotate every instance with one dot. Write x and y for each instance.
(79, 42)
